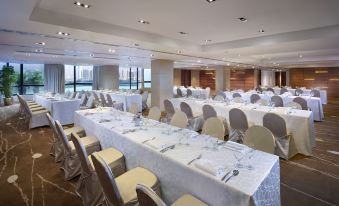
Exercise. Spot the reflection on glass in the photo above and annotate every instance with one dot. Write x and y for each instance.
(33, 78)
(84, 78)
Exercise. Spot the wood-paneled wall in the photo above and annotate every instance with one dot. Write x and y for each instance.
(242, 79)
(207, 79)
(326, 78)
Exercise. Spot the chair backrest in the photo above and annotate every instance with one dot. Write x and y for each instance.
(315, 93)
(294, 105)
(109, 102)
(302, 102)
(262, 102)
(214, 127)
(169, 108)
(186, 108)
(90, 102)
(276, 124)
(154, 113)
(238, 119)
(259, 89)
(221, 93)
(238, 100)
(271, 90)
(107, 180)
(62, 137)
(147, 197)
(260, 138)
(254, 98)
(189, 93)
(81, 152)
(236, 94)
(179, 92)
(103, 100)
(298, 92)
(52, 125)
(96, 96)
(179, 119)
(133, 108)
(219, 98)
(208, 111)
(77, 95)
(283, 90)
(83, 99)
(144, 96)
(277, 100)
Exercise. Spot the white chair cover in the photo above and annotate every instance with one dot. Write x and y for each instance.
(195, 122)
(294, 105)
(260, 138)
(277, 100)
(154, 113)
(83, 99)
(262, 102)
(238, 124)
(214, 127)
(302, 102)
(283, 90)
(179, 119)
(103, 100)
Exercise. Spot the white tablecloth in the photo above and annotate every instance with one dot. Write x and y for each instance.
(307, 92)
(201, 93)
(260, 186)
(299, 123)
(126, 98)
(61, 109)
(314, 103)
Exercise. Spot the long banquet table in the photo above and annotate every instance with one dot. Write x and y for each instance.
(307, 92)
(260, 186)
(61, 109)
(298, 122)
(198, 92)
(314, 103)
(126, 98)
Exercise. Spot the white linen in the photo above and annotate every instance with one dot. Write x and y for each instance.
(61, 109)
(197, 92)
(260, 186)
(306, 92)
(299, 122)
(126, 98)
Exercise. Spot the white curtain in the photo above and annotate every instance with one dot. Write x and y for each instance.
(54, 78)
(96, 77)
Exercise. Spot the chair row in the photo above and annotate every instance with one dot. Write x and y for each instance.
(34, 114)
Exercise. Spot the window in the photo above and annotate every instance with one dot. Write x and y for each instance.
(16, 86)
(130, 77)
(78, 78)
(33, 78)
(147, 78)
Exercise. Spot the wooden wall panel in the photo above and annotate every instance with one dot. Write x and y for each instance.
(326, 78)
(207, 79)
(242, 79)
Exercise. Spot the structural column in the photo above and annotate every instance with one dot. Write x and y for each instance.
(219, 78)
(256, 78)
(162, 81)
(109, 77)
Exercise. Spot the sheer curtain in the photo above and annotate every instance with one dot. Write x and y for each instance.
(96, 77)
(54, 78)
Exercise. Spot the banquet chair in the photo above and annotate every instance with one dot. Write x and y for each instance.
(302, 102)
(315, 93)
(57, 149)
(77, 95)
(208, 111)
(260, 138)
(283, 90)
(259, 90)
(169, 109)
(144, 100)
(88, 186)
(222, 94)
(270, 90)
(70, 162)
(236, 94)
(179, 92)
(254, 98)
(298, 92)
(133, 108)
(96, 97)
(219, 98)
(294, 105)
(277, 100)
(208, 92)
(262, 102)
(147, 197)
(103, 100)
(35, 118)
(154, 113)
(238, 100)
(120, 191)
(277, 125)
(238, 124)
(83, 99)
(110, 101)
(195, 120)
(214, 127)
(89, 103)
(73, 94)
(179, 119)
(189, 93)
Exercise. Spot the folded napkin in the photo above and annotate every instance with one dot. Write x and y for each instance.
(211, 168)
(104, 120)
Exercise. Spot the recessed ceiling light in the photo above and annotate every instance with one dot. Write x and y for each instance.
(238, 65)
(228, 64)
(152, 55)
(300, 56)
(82, 4)
(38, 50)
(111, 50)
(253, 67)
(63, 33)
(136, 44)
(179, 52)
(182, 33)
(210, 1)
(208, 40)
(143, 21)
(261, 31)
(91, 55)
(40, 43)
(242, 19)
(199, 61)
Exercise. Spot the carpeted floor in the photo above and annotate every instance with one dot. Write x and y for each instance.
(24, 154)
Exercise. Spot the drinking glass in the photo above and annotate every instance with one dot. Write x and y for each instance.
(238, 156)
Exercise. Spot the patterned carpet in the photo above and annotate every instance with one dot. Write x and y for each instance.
(29, 176)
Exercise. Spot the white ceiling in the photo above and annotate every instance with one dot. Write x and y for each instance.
(307, 28)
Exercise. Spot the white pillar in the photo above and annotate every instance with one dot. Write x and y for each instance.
(227, 78)
(288, 78)
(267, 78)
(109, 77)
(219, 78)
(256, 78)
(162, 81)
(195, 78)
(177, 77)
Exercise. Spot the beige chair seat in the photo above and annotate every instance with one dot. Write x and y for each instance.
(113, 158)
(84, 107)
(128, 181)
(91, 143)
(43, 111)
(197, 114)
(34, 106)
(37, 109)
(76, 129)
(187, 200)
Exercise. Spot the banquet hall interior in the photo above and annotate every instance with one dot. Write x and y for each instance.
(168, 102)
